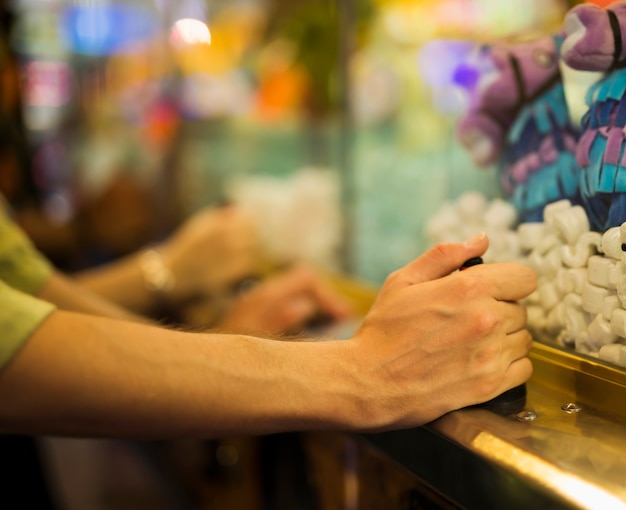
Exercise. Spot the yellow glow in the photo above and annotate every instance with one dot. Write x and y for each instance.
(569, 486)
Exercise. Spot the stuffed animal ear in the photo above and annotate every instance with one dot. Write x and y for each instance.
(467, 69)
(515, 75)
(590, 42)
(482, 136)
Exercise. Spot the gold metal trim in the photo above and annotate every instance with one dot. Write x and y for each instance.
(591, 382)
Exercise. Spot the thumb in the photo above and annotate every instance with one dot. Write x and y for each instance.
(444, 258)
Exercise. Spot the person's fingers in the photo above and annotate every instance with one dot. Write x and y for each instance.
(518, 373)
(517, 345)
(514, 315)
(297, 311)
(506, 281)
(302, 283)
(329, 302)
(440, 260)
(289, 282)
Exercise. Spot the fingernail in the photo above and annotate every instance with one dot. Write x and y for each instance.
(477, 239)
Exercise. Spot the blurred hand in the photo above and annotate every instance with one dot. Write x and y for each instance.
(285, 304)
(211, 251)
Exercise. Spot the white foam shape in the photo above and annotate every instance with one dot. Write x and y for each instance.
(571, 280)
(500, 213)
(564, 340)
(536, 317)
(548, 295)
(555, 321)
(611, 303)
(570, 223)
(471, 206)
(586, 245)
(593, 298)
(299, 217)
(535, 262)
(618, 322)
(530, 234)
(613, 353)
(598, 269)
(575, 319)
(581, 343)
(600, 333)
(611, 244)
(604, 272)
(610, 353)
(622, 231)
(533, 298)
(616, 271)
(553, 262)
(621, 290)
(547, 243)
(553, 208)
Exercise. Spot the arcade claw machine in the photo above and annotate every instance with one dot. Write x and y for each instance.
(504, 118)
(363, 132)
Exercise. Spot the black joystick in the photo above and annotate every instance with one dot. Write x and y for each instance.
(511, 401)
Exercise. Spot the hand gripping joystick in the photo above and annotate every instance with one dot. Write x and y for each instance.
(511, 401)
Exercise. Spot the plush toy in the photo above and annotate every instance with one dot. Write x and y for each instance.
(518, 119)
(595, 42)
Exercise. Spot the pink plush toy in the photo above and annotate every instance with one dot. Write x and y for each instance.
(518, 119)
(595, 41)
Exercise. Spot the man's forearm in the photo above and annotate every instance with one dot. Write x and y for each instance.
(123, 282)
(70, 296)
(131, 380)
(436, 339)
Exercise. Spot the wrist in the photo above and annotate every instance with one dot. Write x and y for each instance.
(376, 401)
(346, 402)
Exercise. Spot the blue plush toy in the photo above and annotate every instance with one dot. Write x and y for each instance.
(595, 42)
(518, 119)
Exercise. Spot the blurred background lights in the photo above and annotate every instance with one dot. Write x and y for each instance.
(106, 28)
(452, 69)
(47, 83)
(439, 60)
(466, 76)
(190, 31)
(58, 207)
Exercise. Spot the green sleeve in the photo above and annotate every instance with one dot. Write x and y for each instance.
(21, 265)
(20, 315)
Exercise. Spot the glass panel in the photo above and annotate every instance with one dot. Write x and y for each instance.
(407, 160)
(427, 76)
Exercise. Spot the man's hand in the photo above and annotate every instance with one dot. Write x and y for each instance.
(438, 339)
(284, 304)
(212, 250)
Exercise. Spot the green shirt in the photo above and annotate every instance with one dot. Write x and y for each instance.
(21, 265)
(20, 315)
(23, 271)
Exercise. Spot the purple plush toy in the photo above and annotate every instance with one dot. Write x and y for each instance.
(518, 119)
(595, 42)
